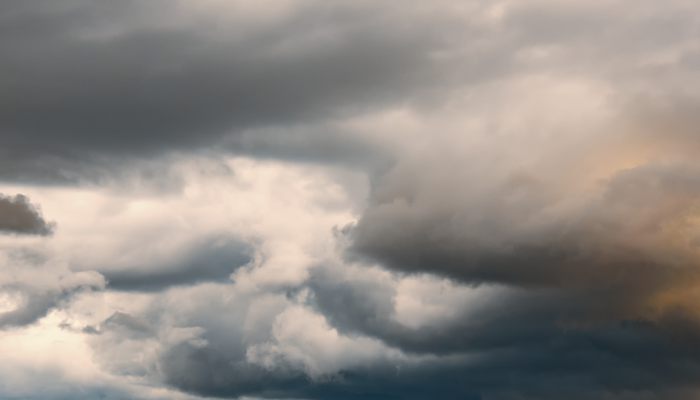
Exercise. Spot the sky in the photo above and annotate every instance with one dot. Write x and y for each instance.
(351, 199)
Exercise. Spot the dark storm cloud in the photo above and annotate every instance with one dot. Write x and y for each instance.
(212, 259)
(19, 216)
(87, 82)
(522, 344)
(301, 143)
(209, 372)
(598, 280)
(544, 344)
(604, 277)
(614, 256)
(205, 371)
(628, 360)
(622, 236)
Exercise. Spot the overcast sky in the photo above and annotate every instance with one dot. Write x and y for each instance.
(312, 199)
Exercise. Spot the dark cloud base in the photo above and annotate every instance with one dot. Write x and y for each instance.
(211, 259)
(76, 91)
(625, 360)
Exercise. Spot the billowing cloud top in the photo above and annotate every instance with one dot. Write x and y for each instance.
(490, 200)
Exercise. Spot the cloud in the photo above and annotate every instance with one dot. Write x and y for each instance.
(583, 245)
(134, 80)
(549, 343)
(19, 216)
(481, 200)
(26, 300)
(35, 283)
(213, 260)
(620, 230)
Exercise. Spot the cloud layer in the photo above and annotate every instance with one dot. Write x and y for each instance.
(490, 200)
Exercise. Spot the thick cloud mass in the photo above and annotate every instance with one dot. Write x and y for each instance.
(487, 200)
(90, 81)
(625, 233)
(18, 215)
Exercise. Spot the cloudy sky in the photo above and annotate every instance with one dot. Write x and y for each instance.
(309, 199)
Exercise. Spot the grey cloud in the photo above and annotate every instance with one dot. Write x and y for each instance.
(507, 320)
(19, 216)
(604, 269)
(33, 284)
(35, 301)
(304, 143)
(617, 363)
(125, 344)
(528, 344)
(232, 379)
(619, 237)
(210, 372)
(75, 90)
(129, 324)
(32, 306)
(525, 345)
(598, 268)
(612, 257)
(90, 84)
(212, 259)
(204, 352)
